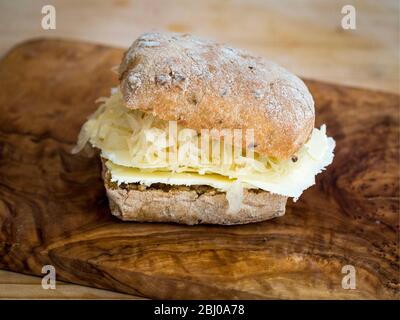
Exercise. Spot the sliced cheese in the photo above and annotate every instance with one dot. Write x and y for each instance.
(121, 174)
(291, 184)
(136, 145)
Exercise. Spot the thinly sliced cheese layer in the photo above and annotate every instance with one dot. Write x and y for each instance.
(121, 174)
(137, 147)
(292, 183)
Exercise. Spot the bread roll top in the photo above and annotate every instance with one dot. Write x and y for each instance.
(205, 85)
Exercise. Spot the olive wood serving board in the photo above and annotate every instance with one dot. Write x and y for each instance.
(53, 207)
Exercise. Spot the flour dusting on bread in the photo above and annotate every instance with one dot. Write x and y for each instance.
(186, 78)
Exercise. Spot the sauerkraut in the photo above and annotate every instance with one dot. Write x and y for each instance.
(138, 140)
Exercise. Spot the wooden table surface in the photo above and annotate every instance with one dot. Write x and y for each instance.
(306, 37)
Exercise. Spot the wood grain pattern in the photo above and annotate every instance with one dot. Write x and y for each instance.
(19, 286)
(305, 36)
(53, 208)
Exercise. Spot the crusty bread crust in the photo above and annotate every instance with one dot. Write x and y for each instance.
(205, 85)
(188, 205)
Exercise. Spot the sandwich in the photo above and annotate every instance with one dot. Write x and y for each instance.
(202, 133)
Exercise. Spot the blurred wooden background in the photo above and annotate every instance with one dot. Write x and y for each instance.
(304, 36)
